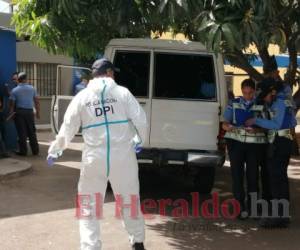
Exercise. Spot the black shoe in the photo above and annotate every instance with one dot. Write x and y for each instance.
(138, 246)
(20, 153)
(274, 222)
(4, 155)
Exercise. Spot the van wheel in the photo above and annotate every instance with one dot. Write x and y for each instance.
(204, 179)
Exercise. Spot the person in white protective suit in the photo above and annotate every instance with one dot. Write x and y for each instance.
(113, 126)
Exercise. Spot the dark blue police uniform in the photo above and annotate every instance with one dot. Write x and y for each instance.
(244, 148)
(282, 120)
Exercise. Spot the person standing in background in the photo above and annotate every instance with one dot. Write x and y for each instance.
(271, 71)
(23, 99)
(282, 121)
(245, 146)
(13, 83)
(82, 85)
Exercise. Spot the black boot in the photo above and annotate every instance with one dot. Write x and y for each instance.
(138, 246)
(4, 155)
(274, 222)
(20, 153)
(243, 215)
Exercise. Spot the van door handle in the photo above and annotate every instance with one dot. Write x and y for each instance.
(143, 103)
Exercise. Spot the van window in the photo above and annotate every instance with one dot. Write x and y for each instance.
(134, 71)
(184, 76)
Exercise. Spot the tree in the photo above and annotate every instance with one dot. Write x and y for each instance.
(231, 26)
(82, 28)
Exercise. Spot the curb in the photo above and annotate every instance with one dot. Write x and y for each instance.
(13, 168)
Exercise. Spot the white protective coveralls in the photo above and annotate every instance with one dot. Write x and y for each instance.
(110, 118)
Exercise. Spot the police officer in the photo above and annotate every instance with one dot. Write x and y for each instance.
(270, 70)
(23, 99)
(282, 121)
(244, 144)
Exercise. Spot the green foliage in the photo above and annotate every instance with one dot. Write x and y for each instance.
(231, 26)
(227, 25)
(82, 28)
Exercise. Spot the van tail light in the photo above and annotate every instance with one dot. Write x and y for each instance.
(221, 139)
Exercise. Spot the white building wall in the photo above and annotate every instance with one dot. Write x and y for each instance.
(27, 52)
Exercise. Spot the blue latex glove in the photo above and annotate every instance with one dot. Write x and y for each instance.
(137, 144)
(137, 148)
(51, 160)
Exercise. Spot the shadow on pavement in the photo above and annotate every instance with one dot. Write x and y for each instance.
(222, 233)
(44, 189)
(49, 189)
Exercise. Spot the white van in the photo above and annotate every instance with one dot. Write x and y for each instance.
(181, 87)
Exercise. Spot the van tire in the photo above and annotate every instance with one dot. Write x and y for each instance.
(204, 179)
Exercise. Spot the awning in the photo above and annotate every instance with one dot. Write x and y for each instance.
(7, 29)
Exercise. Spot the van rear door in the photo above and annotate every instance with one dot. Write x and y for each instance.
(185, 107)
(67, 78)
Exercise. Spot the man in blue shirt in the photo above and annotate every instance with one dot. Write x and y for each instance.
(282, 121)
(23, 99)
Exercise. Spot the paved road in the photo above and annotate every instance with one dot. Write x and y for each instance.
(37, 212)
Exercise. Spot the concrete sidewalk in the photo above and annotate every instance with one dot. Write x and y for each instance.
(38, 211)
(10, 168)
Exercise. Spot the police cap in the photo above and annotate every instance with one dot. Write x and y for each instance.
(100, 66)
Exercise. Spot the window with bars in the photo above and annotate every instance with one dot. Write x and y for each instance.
(41, 75)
